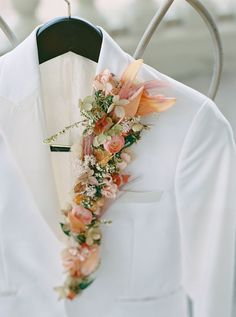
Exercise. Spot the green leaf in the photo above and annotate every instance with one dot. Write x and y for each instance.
(81, 238)
(86, 283)
(67, 232)
(98, 191)
(130, 139)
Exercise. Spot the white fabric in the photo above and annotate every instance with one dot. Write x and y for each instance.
(64, 80)
(174, 240)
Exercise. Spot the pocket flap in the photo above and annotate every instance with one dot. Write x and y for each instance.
(140, 196)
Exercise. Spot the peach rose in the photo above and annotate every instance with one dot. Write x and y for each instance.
(82, 213)
(77, 225)
(115, 144)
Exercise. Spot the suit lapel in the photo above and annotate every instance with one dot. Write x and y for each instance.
(23, 120)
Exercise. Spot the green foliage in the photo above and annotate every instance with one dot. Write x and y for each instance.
(66, 231)
(81, 238)
(85, 283)
(131, 138)
(103, 101)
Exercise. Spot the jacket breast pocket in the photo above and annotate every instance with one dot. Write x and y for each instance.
(140, 196)
(130, 215)
(170, 303)
(151, 219)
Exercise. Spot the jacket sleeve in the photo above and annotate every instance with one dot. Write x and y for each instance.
(205, 187)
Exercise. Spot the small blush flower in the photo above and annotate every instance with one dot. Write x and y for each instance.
(93, 180)
(90, 264)
(110, 189)
(115, 144)
(126, 157)
(104, 81)
(83, 214)
(121, 165)
(71, 261)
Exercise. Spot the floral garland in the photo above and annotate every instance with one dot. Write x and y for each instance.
(112, 120)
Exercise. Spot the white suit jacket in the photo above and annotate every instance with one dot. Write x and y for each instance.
(172, 233)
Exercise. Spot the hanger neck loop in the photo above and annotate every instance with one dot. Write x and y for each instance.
(69, 8)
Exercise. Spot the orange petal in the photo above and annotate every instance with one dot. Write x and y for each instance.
(78, 198)
(132, 107)
(125, 178)
(71, 295)
(131, 70)
(149, 104)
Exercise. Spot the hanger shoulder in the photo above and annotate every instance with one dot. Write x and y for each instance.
(61, 35)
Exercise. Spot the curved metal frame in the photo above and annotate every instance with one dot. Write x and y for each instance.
(155, 22)
(212, 27)
(8, 32)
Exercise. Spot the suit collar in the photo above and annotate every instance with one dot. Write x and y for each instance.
(21, 65)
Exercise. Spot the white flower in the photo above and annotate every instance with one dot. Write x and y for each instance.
(90, 190)
(125, 126)
(119, 111)
(119, 102)
(137, 127)
(87, 103)
(89, 159)
(117, 105)
(78, 166)
(136, 119)
(81, 170)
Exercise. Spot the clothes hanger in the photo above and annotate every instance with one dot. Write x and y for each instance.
(212, 27)
(158, 17)
(64, 34)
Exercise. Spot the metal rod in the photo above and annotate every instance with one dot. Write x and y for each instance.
(8, 32)
(69, 8)
(212, 27)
